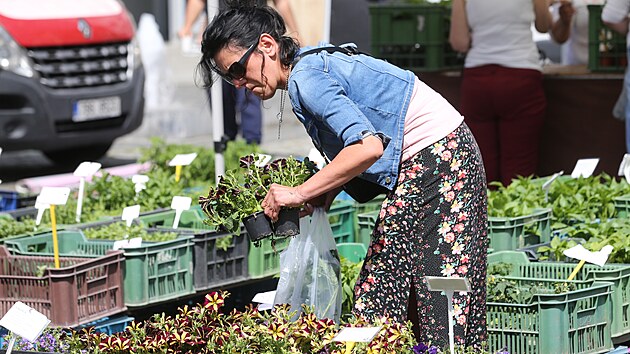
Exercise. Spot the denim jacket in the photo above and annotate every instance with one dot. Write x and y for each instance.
(341, 99)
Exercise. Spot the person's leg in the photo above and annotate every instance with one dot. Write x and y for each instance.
(230, 126)
(193, 9)
(251, 116)
(433, 224)
(477, 107)
(522, 105)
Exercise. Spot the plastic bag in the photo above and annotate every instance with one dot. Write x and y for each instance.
(310, 270)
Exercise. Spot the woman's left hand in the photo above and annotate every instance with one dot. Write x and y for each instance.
(281, 196)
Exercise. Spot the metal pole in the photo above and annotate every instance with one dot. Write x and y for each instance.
(216, 111)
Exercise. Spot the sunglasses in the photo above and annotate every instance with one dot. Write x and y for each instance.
(237, 70)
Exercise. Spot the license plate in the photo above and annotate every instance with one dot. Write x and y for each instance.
(98, 108)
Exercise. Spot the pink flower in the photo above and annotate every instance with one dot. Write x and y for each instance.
(411, 175)
(381, 214)
(457, 248)
(459, 227)
(450, 237)
(448, 270)
(444, 228)
(456, 207)
(455, 165)
(437, 148)
(449, 196)
(446, 155)
(370, 279)
(459, 185)
(462, 269)
(464, 259)
(365, 287)
(462, 216)
(452, 144)
(445, 187)
(461, 320)
(391, 210)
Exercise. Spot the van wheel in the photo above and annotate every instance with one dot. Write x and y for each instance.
(76, 155)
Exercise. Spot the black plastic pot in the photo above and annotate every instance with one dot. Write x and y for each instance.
(288, 223)
(258, 226)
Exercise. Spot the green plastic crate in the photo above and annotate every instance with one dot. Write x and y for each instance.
(606, 48)
(576, 322)
(366, 223)
(189, 219)
(213, 267)
(341, 217)
(617, 274)
(154, 272)
(622, 206)
(413, 36)
(264, 261)
(510, 233)
(354, 252)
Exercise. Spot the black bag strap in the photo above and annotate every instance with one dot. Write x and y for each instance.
(348, 50)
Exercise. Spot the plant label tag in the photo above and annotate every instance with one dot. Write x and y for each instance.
(86, 169)
(357, 334)
(53, 195)
(130, 213)
(599, 257)
(24, 321)
(143, 179)
(262, 160)
(183, 159)
(448, 284)
(181, 203)
(41, 208)
(266, 297)
(264, 307)
(134, 242)
(584, 168)
(624, 167)
(553, 177)
(120, 244)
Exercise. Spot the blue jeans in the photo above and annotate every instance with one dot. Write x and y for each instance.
(239, 100)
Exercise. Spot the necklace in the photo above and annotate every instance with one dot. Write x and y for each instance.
(282, 100)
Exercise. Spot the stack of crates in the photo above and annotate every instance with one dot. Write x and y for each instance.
(413, 36)
(607, 48)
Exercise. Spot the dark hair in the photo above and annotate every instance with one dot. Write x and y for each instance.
(241, 25)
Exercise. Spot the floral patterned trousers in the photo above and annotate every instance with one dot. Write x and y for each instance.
(433, 223)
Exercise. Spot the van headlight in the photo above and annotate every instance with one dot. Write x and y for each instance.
(13, 57)
(134, 60)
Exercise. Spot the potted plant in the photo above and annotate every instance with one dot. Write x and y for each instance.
(239, 193)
